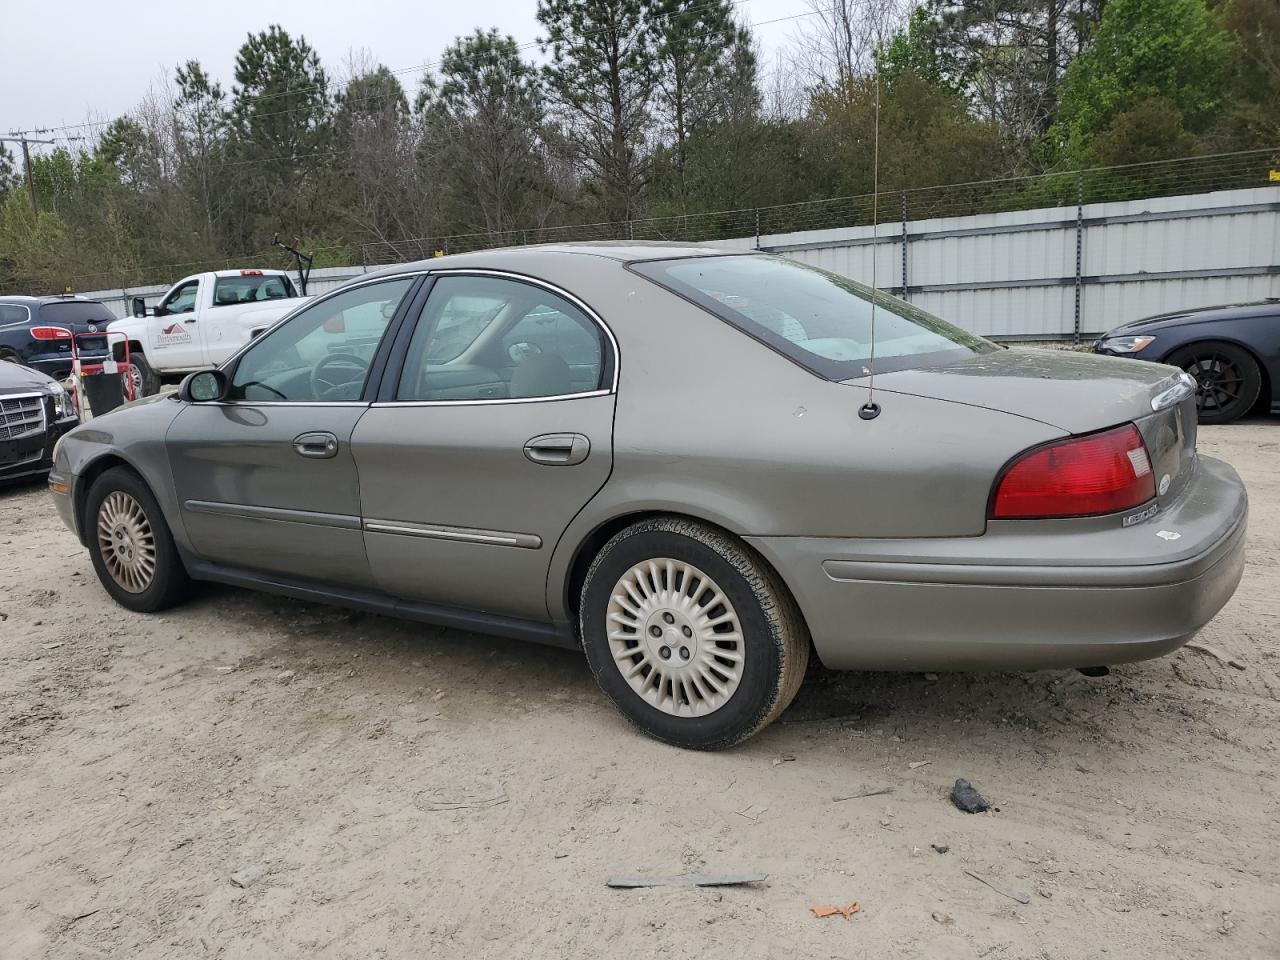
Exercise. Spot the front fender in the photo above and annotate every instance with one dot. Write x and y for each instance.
(135, 328)
(132, 435)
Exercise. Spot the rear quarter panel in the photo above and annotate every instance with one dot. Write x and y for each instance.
(715, 425)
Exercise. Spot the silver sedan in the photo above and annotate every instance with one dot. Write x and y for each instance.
(699, 466)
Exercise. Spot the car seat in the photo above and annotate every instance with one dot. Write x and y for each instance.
(542, 375)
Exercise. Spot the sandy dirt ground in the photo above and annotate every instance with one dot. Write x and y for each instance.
(382, 789)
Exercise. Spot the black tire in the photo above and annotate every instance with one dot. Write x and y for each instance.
(147, 380)
(169, 584)
(775, 641)
(1228, 379)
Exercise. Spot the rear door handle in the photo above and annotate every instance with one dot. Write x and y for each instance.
(318, 445)
(558, 449)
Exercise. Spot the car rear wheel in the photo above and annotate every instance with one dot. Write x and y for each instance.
(1227, 379)
(130, 544)
(690, 634)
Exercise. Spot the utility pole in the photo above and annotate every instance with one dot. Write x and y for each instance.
(23, 139)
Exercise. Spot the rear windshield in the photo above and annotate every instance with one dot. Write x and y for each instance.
(250, 289)
(820, 320)
(74, 313)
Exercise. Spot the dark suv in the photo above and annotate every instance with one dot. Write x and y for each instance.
(36, 331)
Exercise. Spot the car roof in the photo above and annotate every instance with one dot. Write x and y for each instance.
(26, 301)
(529, 257)
(251, 272)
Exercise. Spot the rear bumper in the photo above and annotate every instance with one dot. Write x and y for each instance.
(1039, 595)
(58, 366)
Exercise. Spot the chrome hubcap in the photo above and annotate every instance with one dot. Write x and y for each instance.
(675, 637)
(125, 540)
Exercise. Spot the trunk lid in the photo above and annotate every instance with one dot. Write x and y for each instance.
(1075, 392)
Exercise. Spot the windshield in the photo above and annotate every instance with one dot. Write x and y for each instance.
(820, 320)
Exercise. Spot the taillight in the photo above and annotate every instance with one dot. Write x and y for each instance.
(1078, 477)
(51, 333)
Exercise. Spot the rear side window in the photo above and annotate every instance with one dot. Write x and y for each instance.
(250, 288)
(820, 320)
(13, 313)
(74, 312)
(492, 338)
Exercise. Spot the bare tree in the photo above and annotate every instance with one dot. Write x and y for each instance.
(839, 42)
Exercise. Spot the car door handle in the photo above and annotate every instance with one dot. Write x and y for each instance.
(317, 446)
(191, 320)
(558, 449)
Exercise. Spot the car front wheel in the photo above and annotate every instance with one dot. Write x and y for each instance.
(690, 634)
(130, 544)
(1227, 379)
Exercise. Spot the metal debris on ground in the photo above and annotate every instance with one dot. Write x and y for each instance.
(753, 812)
(917, 764)
(246, 877)
(828, 911)
(1220, 655)
(939, 847)
(943, 918)
(968, 799)
(687, 880)
(865, 792)
(1021, 898)
(785, 758)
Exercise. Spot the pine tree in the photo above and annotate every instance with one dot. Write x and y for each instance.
(603, 74)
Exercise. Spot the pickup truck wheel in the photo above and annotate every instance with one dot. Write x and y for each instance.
(145, 380)
(690, 634)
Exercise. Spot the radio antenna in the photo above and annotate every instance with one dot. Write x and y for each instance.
(870, 410)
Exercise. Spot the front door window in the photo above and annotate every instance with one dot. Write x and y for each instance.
(323, 353)
(183, 299)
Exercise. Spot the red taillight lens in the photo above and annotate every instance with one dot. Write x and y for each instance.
(1080, 477)
(51, 333)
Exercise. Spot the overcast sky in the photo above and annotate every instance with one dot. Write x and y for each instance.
(84, 60)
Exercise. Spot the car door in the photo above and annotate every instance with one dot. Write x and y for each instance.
(175, 334)
(265, 478)
(477, 456)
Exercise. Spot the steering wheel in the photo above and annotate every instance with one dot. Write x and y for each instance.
(328, 381)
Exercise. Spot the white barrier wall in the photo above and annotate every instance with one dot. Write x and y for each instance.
(1015, 274)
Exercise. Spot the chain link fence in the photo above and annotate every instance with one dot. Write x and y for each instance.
(1187, 175)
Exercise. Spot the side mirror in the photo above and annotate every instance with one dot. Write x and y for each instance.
(139, 307)
(203, 387)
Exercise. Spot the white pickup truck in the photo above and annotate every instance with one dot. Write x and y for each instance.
(201, 321)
